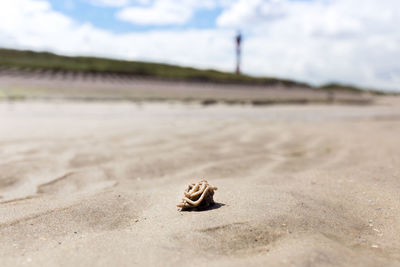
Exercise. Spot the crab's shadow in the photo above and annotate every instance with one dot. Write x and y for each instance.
(200, 209)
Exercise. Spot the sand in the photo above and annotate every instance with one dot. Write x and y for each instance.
(65, 85)
(96, 184)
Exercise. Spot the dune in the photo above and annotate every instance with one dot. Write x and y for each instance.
(96, 184)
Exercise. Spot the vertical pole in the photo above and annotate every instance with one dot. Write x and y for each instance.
(238, 52)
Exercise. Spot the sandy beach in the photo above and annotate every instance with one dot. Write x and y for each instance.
(50, 85)
(97, 183)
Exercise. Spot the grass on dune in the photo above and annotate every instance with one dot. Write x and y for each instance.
(30, 60)
(47, 61)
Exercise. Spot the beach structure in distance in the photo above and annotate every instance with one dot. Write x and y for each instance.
(238, 41)
(198, 196)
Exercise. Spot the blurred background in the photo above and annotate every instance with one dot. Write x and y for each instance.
(316, 43)
(309, 40)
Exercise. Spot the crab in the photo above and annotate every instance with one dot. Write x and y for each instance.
(198, 196)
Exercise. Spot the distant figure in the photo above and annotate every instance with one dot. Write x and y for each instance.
(238, 51)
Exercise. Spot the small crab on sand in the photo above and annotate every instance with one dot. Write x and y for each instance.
(198, 196)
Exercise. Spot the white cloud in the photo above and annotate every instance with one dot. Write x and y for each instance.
(164, 12)
(248, 12)
(321, 40)
(315, 41)
(161, 13)
(117, 3)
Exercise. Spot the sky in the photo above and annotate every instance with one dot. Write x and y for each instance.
(353, 42)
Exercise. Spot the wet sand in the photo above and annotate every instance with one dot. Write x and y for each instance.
(96, 184)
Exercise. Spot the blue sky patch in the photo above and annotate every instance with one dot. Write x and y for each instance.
(105, 17)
